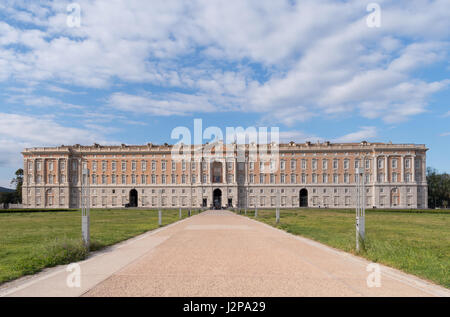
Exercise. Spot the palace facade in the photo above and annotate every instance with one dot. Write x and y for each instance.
(289, 175)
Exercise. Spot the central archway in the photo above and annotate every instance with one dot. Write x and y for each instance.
(217, 199)
(133, 198)
(304, 197)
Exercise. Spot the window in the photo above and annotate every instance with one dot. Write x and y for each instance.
(50, 179)
(283, 178)
(193, 166)
(293, 179)
(204, 178)
(303, 164)
(163, 165)
(380, 177)
(50, 166)
(335, 163)
(104, 165)
(252, 166)
(174, 166)
(283, 165)
(394, 163)
(103, 179)
(367, 178)
(183, 179)
(408, 177)
(314, 178)
(153, 179)
(174, 178)
(314, 164)
(124, 166)
(324, 164)
(113, 166)
(133, 179)
(183, 165)
(356, 163)
(272, 178)
(346, 164)
(63, 166)
(325, 178)
(346, 178)
(367, 164)
(380, 163)
(144, 179)
(38, 165)
(143, 166)
(153, 165)
(94, 166)
(394, 177)
(293, 165)
(113, 178)
(94, 179)
(133, 165)
(261, 178)
(163, 178)
(335, 178)
(252, 178)
(229, 166)
(303, 178)
(407, 163)
(124, 179)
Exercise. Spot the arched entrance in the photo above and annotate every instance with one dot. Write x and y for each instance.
(304, 197)
(133, 198)
(217, 199)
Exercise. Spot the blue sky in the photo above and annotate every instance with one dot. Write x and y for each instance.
(134, 70)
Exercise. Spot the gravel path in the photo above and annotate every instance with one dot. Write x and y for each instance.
(218, 253)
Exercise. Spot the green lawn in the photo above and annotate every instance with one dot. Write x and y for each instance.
(31, 241)
(416, 243)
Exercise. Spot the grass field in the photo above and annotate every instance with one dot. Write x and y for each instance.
(416, 243)
(31, 241)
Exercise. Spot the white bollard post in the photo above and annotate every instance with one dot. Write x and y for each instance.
(159, 217)
(180, 213)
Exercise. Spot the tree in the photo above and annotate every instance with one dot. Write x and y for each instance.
(438, 188)
(17, 182)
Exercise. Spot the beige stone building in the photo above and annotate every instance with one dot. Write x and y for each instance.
(291, 175)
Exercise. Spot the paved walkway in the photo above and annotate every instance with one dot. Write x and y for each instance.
(218, 253)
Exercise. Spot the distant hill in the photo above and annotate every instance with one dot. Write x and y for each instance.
(6, 190)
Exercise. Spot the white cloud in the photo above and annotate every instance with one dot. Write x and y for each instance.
(22, 131)
(363, 134)
(289, 61)
(445, 134)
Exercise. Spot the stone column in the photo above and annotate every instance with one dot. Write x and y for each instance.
(402, 169)
(386, 168)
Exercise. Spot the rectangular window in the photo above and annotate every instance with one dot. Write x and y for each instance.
(283, 178)
(261, 178)
(50, 166)
(133, 165)
(325, 178)
(293, 165)
(324, 164)
(143, 166)
(346, 164)
(103, 179)
(314, 164)
(153, 179)
(124, 179)
(113, 178)
(283, 165)
(104, 165)
(293, 179)
(407, 163)
(314, 178)
(163, 165)
(133, 179)
(335, 164)
(124, 166)
(304, 164)
(153, 165)
(113, 166)
(367, 164)
(394, 163)
(144, 179)
(272, 178)
(335, 178)
(303, 178)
